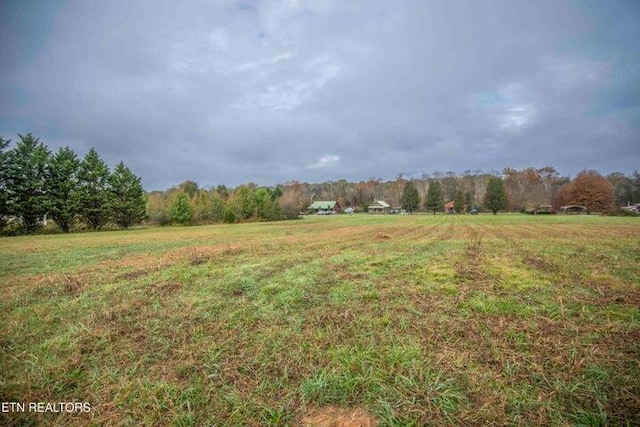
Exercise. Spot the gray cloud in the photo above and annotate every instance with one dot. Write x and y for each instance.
(231, 92)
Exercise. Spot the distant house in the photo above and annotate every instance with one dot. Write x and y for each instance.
(379, 207)
(448, 208)
(330, 206)
(632, 208)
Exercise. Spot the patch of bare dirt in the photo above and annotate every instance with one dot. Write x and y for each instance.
(332, 416)
(541, 264)
(136, 274)
(71, 285)
(382, 236)
(165, 288)
(342, 270)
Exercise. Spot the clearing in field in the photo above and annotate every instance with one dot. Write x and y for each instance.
(329, 321)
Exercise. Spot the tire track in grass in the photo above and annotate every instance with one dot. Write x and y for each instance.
(426, 233)
(444, 231)
(468, 266)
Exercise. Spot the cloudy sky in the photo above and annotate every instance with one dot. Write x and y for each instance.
(229, 92)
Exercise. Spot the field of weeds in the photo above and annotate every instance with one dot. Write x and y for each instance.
(339, 320)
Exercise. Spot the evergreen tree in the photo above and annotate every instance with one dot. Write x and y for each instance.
(26, 177)
(181, 210)
(128, 202)
(64, 167)
(410, 199)
(94, 197)
(435, 197)
(4, 208)
(495, 198)
(468, 199)
(458, 202)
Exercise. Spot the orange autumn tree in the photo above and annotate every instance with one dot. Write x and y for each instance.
(592, 190)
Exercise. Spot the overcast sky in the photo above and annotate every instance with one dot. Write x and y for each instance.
(230, 92)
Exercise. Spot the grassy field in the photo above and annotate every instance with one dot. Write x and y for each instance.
(342, 320)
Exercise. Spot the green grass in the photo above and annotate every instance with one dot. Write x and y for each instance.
(418, 320)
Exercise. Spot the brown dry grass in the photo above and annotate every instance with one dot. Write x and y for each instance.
(331, 416)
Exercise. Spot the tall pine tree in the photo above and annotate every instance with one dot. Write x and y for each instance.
(26, 182)
(495, 198)
(94, 199)
(435, 197)
(64, 167)
(128, 203)
(458, 202)
(410, 199)
(4, 208)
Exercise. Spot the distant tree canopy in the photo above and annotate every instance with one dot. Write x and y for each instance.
(36, 186)
(252, 203)
(245, 203)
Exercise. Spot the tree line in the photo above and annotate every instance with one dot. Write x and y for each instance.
(38, 186)
(189, 204)
(511, 190)
(515, 190)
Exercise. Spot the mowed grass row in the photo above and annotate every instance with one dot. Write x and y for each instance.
(419, 320)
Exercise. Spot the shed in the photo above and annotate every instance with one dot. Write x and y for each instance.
(448, 208)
